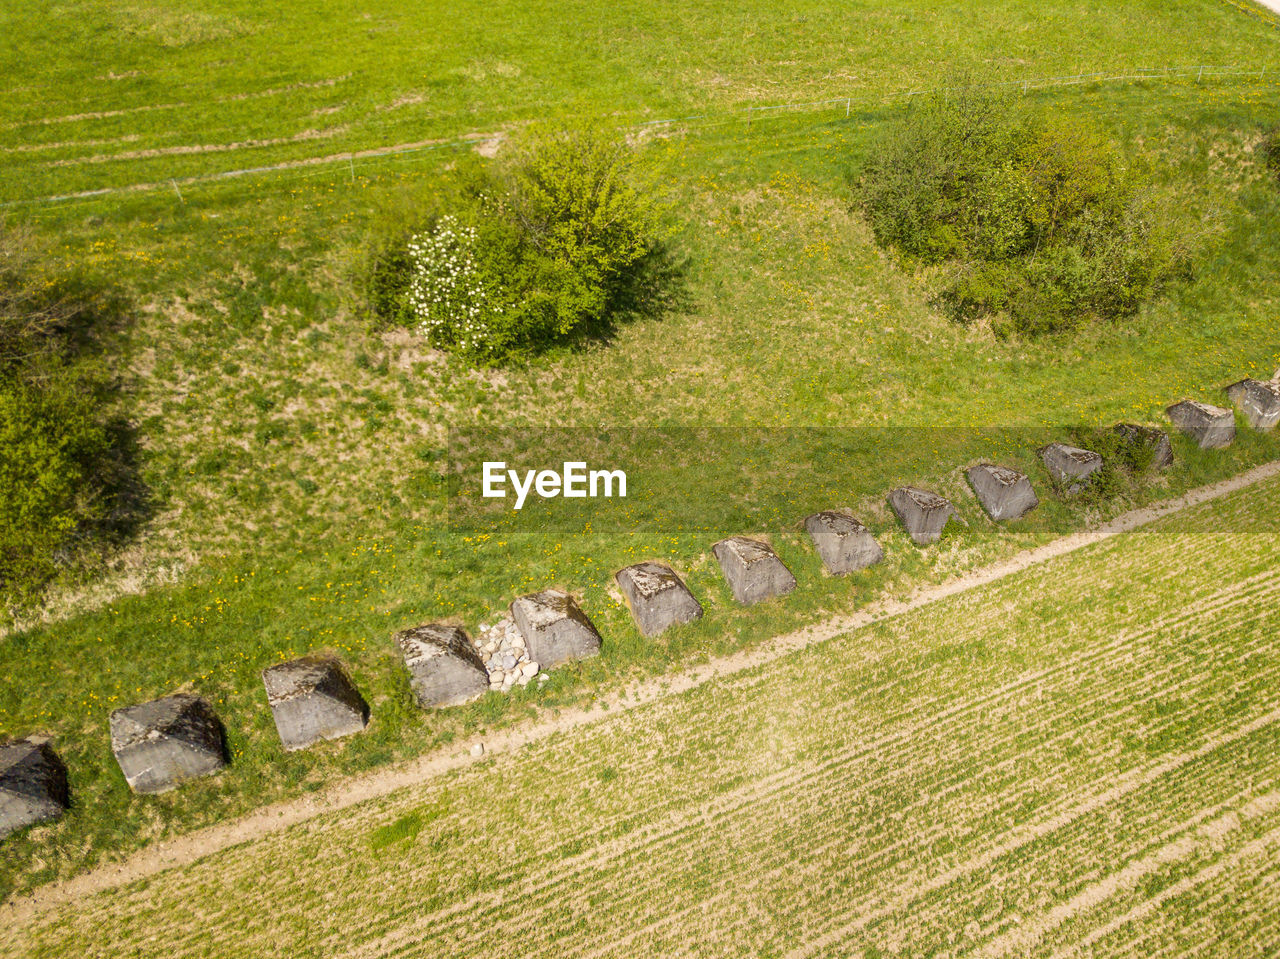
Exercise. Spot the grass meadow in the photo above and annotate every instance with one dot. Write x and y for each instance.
(298, 461)
(110, 92)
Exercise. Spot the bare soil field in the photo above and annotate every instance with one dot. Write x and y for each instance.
(1079, 758)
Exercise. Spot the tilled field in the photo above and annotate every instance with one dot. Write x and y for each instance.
(1081, 759)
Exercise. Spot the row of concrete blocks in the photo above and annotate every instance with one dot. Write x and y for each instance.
(164, 742)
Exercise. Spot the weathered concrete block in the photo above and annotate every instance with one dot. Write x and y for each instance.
(1259, 402)
(445, 668)
(1069, 466)
(1211, 427)
(657, 596)
(1133, 436)
(844, 544)
(1004, 493)
(165, 742)
(33, 785)
(752, 569)
(313, 698)
(923, 513)
(554, 628)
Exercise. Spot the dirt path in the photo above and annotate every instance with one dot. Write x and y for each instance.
(189, 848)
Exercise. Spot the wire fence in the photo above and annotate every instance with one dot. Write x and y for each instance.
(332, 165)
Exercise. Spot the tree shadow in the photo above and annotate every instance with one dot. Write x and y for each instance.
(657, 288)
(129, 501)
(56, 383)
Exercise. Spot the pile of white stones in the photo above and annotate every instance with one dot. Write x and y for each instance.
(505, 658)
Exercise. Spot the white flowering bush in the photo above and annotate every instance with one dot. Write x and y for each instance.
(449, 298)
(497, 259)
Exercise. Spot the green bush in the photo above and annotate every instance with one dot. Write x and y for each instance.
(1039, 222)
(383, 279)
(51, 440)
(550, 243)
(1269, 148)
(66, 478)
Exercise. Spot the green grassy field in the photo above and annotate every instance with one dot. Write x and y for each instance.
(1081, 758)
(110, 93)
(294, 456)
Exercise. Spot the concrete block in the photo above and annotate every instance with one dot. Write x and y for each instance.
(445, 668)
(1133, 436)
(657, 596)
(165, 742)
(311, 699)
(923, 513)
(1004, 493)
(1069, 466)
(1259, 401)
(554, 628)
(752, 569)
(1211, 427)
(844, 544)
(33, 785)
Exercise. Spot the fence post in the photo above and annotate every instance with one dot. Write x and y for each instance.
(1200, 74)
(846, 108)
(352, 164)
(177, 191)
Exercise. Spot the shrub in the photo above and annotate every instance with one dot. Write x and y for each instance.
(1039, 222)
(1269, 148)
(582, 225)
(51, 440)
(382, 281)
(38, 310)
(66, 476)
(549, 244)
(450, 296)
(922, 180)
